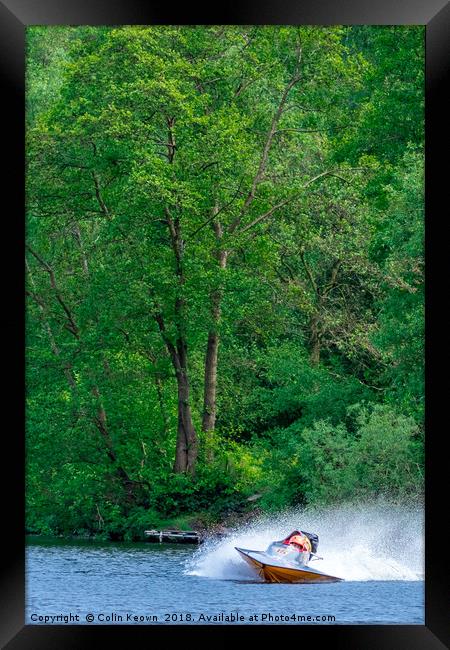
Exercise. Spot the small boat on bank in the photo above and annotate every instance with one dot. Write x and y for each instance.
(173, 536)
(287, 561)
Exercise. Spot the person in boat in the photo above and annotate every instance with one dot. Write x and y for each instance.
(296, 548)
(300, 542)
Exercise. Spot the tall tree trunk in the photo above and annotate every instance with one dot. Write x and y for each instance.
(209, 398)
(314, 340)
(187, 443)
(186, 452)
(212, 350)
(187, 435)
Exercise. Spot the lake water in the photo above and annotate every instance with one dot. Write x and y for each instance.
(142, 583)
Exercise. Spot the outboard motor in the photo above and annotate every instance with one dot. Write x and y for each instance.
(314, 539)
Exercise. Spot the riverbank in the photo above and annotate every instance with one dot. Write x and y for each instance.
(202, 522)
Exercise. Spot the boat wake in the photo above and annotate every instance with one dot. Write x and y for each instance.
(377, 541)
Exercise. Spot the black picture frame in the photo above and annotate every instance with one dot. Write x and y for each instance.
(15, 16)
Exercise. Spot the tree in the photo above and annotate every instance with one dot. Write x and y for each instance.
(223, 242)
(185, 146)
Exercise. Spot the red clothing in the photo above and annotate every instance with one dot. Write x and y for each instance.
(300, 549)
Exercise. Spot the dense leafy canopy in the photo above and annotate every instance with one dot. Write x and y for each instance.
(224, 270)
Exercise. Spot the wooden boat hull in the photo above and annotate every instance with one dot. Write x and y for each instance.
(272, 571)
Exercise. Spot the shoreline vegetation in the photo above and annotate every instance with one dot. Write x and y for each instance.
(206, 526)
(189, 522)
(247, 515)
(224, 273)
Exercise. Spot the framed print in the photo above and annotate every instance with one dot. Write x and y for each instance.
(230, 223)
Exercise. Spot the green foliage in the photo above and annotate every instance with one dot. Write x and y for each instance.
(389, 453)
(381, 454)
(389, 113)
(151, 152)
(399, 246)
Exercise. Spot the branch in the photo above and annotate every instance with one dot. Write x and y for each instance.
(177, 243)
(206, 165)
(288, 267)
(216, 213)
(265, 153)
(71, 323)
(308, 272)
(101, 203)
(243, 85)
(169, 345)
(265, 215)
(332, 283)
(329, 172)
(67, 368)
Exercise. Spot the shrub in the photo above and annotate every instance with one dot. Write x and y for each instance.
(389, 453)
(379, 451)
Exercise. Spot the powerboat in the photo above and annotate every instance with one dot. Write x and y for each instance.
(285, 561)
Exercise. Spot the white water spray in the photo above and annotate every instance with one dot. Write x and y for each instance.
(374, 541)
